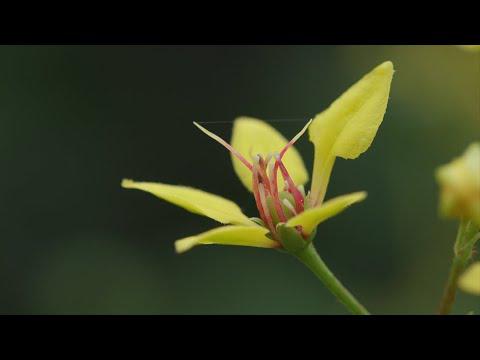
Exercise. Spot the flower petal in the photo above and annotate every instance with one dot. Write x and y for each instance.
(472, 48)
(229, 235)
(196, 201)
(459, 183)
(251, 137)
(470, 280)
(310, 218)
(348, 127)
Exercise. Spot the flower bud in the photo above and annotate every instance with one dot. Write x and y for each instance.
(459, 183)
(470, 279)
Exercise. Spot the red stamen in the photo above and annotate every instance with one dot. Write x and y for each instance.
(226, 144)
(263, 200)
(276, 199)
(292, 189)
(263, 173)
(256, 195)
(294, 140)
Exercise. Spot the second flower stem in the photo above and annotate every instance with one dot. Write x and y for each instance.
(450, 291)
(467, 236)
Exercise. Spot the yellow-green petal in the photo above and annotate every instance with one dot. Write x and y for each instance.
(348, 127)
(310, 218)
(253, 136)
(470, 280)
(194, 200)
(229, 235)
(471, 48)
(459, 183)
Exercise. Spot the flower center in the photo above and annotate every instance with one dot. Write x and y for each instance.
(275, 206)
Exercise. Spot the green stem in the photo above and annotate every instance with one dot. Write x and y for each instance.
(314, 262)
(450, 291)
(463, 249)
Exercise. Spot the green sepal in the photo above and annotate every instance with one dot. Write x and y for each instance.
(291, 240)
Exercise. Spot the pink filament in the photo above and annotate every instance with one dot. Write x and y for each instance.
(263, 184)
(226, 144)
(294, 140)
(237, 154)
(276, 200)
(263, 200)
(299, 201)
(256, 195)
(262, 171)
(292, 189)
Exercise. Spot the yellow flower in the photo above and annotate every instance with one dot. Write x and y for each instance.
(471, 48)
(470, 280)
(460, 186)
(272, 169)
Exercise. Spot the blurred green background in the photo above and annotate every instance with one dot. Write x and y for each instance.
(75, 120)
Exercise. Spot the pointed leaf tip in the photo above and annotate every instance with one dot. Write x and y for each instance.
(353, 119)
(127, 183)
(386, 66)
(186, 244)
(348, 126)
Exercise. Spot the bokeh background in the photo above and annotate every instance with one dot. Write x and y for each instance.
(75, 120)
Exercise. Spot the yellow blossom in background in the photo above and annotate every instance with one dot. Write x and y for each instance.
(470, 280)
(471, 48)
(271, 168)
(459, 183)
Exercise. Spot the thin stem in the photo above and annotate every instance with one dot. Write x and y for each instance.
(464, 244)
(450, 291)
(314, 262)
